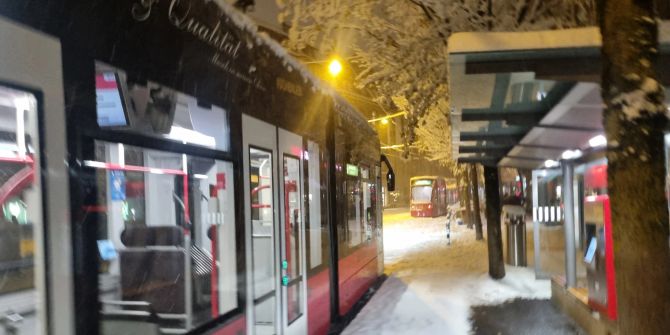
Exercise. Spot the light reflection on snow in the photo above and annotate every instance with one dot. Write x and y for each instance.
(432, 285)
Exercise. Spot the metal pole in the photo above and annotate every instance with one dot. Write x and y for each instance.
(188, 282)
(536, 225)
(569, 223)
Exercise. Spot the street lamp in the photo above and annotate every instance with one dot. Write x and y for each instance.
(334, 67)
(385, 121)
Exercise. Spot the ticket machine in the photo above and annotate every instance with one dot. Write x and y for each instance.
(599, 255)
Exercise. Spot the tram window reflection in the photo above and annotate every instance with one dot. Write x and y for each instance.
(20, 215)
(262, 238)
(293, 222)
(166, 237)
(361, 217)
(354, 217)
(369, 204)
(317, 238)
(151, 108)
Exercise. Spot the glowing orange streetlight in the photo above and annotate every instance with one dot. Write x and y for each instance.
(334, 67)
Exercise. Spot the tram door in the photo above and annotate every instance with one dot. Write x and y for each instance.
(35, 267)
(275, 234)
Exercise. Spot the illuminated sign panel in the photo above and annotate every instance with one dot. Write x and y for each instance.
(423, 182)
(352, 170)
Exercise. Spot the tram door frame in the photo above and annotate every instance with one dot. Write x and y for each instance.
(281, 144)
(33, 64)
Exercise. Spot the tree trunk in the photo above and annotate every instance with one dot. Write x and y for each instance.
(527, 192)
(491, 185)
(475, 194)
(467, 201)
(634, 120)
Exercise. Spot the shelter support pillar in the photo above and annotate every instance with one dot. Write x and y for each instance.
(569, 223)
(494, 233)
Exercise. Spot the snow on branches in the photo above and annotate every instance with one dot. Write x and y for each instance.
(399, 47)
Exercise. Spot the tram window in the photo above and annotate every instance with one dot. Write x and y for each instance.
(155, 109)
(317, 237)
(354, 216)
(262, 238)
(293, 218)
(20, 214)
(169, 218)
(422, 194)
(368, 204)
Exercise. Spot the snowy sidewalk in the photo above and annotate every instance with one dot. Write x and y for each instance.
(432, 286)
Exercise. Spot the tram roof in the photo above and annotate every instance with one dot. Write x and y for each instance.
(205, 49)
(521, 98)
(346, 109)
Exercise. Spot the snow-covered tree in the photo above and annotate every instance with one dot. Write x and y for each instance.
(399, 47)
(399, 51)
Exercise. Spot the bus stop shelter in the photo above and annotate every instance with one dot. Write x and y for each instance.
(531, 101)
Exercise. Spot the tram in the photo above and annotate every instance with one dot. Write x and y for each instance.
(430, 196)
(166, 169)
(452, 192)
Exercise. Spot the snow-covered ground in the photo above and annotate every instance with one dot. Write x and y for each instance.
(432, 285)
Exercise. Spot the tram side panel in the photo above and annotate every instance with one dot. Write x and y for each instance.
(34, 265)
(317, 239)
(357, 157)
(174, 186)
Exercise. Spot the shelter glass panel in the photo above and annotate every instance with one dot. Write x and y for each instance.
(549, 237)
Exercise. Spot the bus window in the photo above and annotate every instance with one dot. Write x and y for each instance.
(20, 214)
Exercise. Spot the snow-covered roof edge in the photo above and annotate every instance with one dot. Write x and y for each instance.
(472, 42)
(247, 24)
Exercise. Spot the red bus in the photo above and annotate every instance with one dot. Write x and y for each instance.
(429, 196)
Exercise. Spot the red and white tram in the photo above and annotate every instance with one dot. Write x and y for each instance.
(429, 196)
(165, 169)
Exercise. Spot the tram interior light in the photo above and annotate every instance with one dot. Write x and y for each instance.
(22, 103)
(156, 171)
(191, 136)
(95, 164)
(598, 141)
(16, 210)
(7, 153)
